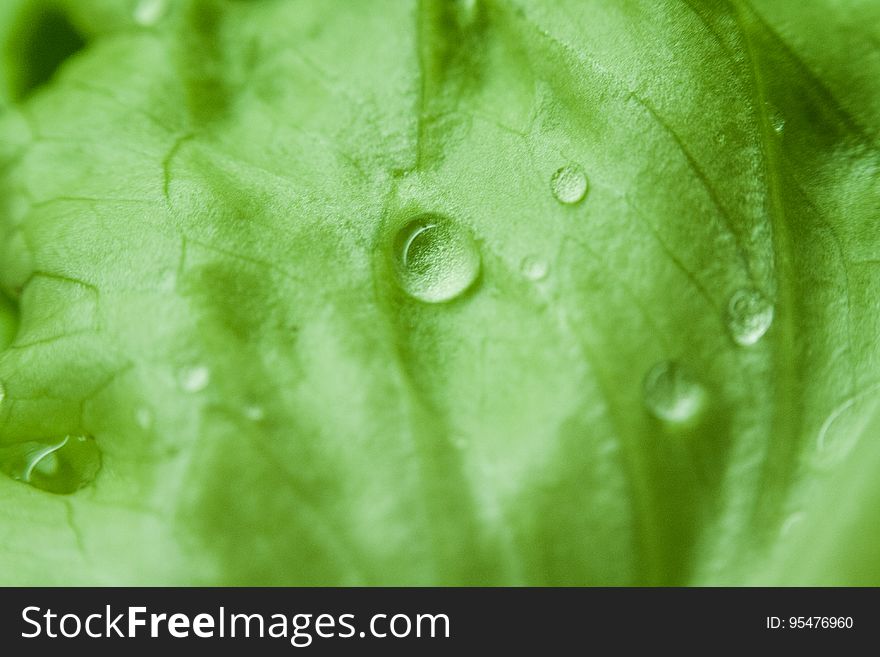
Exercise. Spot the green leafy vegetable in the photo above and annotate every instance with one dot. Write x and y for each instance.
(440, 292)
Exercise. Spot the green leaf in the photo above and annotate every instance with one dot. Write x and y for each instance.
(440, 292)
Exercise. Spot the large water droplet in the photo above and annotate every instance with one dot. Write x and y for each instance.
(63, 466)
(569, 184)
(435, 259)
(534, 268)
(749, 315)
(195, 379)
(672, 393)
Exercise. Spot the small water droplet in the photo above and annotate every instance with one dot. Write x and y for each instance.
(778, 123)
(62, 467)
(791, 522)
(435, 259)
(195, 379)
(149, 12)
(672, 393)
(254, 413)
(774, 117)
(534, 268)
(467, 11)
(144, 417)
(608, 447)
(2, 392)
(845, 426)
(569, 184)
(166, 280)
(749, 316)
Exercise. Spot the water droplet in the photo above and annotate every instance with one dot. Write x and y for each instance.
(436, 260)
(166, 280)
(534, 268)
(791, 523)
(672, 393)
(63, 466)
(149, 12)
(144, 417)
(254, 413)
(467, 11)
(195, 379)
(569, 184)
(749, 315)
(774, 117)
(845, 426)
(778, 123)
(2, 392)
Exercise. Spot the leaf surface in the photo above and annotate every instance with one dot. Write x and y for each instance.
(199, 251)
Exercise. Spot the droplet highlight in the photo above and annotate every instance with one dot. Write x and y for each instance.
(778, 123)
(144, 418)
(149, 12)
(845, 426)
(534, 268)
(254, 413)
(436, 260)
(774, 117)
(672, 393)
(569, 184)
(467, 11)
(791, 523)
(749, 316)
(195, 379)
(61, 467)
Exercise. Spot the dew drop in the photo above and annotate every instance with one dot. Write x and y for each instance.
(533, 268)
(672, 393)
(774, 117)
(749, 316)
(254, 413)
(791, 523)
(845, 426)
(467, 11)
(778, 123)
(2, 392)
(149, 12)
(62, 467)
(195, 379)
(569, 184)
(435, 259)
(144, 417)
